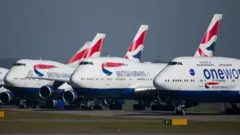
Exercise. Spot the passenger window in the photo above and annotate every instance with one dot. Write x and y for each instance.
(175, 63)
(85, 63)
(19, 64)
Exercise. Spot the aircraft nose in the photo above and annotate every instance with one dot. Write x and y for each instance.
(160, 82)
(8, 80)
(75, 79)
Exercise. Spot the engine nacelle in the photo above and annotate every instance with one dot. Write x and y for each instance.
(46, 91)
(6, 97)
(57, 104)
(70, 96)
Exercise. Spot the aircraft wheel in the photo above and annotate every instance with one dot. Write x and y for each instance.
(180, 111)
(22, 104)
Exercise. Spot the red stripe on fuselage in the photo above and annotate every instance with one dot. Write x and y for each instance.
(212, 83)
(43, 66)
(112, 64)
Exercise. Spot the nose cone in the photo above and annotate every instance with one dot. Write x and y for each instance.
(160, 82)
(77, 79)
(74, 79)
(8, 79)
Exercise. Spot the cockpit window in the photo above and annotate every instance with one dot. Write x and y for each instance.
(174, 63)
(86, 63)
(19, 64)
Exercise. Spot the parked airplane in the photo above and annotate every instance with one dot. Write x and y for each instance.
(191, 80)
(88, 85)
(133, 54)
(112, 77)
(3, 72)
(27, 90)
(3, 91)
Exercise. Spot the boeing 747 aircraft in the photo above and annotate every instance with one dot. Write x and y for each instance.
(188, 81)
(113, 78)
(27, 90)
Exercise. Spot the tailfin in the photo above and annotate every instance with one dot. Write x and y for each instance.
(206, 48)
(136, 48)
(76, 59)
(95, 48)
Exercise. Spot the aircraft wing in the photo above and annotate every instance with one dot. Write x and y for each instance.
(2, 89)
(53, 76)
(145, 89)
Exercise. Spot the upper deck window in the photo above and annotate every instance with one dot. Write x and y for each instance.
(174, 63)
(86, 63)
(19, 64)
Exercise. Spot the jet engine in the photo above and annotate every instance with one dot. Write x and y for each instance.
(70, 96)
(46, 91)
(6, 97)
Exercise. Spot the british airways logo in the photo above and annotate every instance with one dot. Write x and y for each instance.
(110, 65)
(221, 73)
(207, 84)
(41, 66)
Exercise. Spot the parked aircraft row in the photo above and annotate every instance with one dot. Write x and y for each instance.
(92, 80)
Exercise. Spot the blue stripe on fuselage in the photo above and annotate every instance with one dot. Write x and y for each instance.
(107, 91)
(203, 96)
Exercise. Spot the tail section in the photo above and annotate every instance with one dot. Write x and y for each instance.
(136, 48)
(76, 59)
(95, 48)
(206, 48)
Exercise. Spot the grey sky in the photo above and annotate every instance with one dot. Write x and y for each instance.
(56, 29)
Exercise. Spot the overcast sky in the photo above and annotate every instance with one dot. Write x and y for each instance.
(56, 29)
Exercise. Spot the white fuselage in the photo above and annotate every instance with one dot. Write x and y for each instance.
(206, 78)
(21, 86)
(112, 75)
(3, 72)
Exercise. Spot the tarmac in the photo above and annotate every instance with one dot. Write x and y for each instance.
(140, 114)
(133, 134)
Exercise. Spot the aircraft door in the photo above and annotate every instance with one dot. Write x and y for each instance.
(201, 83)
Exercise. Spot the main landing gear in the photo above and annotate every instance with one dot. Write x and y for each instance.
(179, 107)
(160, 104)
(179, 110)
(23, 104)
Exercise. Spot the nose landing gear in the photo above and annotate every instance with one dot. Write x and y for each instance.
(180, 110)
(23, 104)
